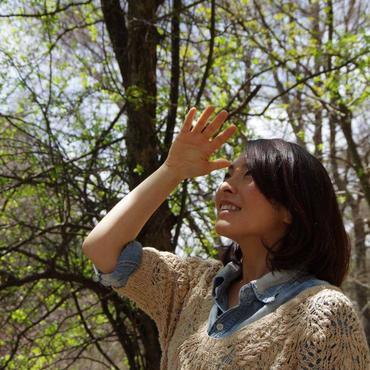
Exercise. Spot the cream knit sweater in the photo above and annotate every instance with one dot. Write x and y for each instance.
(317, 329)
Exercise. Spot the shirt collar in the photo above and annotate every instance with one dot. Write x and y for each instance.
(265, 288)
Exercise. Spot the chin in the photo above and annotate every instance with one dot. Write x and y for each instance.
(223, 229)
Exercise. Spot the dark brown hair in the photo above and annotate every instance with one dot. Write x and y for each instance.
(316, 241)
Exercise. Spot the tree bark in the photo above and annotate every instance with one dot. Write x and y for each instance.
(134, 39)
(361, 292)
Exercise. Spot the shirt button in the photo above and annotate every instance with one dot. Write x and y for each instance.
(219, 326)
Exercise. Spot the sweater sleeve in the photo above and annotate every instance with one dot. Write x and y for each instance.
(334, 337)
(162, 281)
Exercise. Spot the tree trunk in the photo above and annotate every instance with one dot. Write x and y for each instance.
(134, 39)
(361, 291)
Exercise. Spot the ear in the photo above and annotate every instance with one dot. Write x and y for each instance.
(286, 216)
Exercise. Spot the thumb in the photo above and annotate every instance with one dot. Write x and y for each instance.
(218, 164)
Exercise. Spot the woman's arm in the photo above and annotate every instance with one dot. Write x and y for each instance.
(188, 157)
(125, 220)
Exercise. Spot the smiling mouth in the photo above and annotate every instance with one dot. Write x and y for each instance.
(228, 208)
(227, 212)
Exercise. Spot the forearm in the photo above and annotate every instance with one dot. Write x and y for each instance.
(125, 220)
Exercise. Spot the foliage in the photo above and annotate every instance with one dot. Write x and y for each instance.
(297, 70)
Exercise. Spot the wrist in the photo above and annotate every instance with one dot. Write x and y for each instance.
(171, 173)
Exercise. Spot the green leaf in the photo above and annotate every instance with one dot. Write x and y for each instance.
(301, 135)
(279, 16)
(139, 169)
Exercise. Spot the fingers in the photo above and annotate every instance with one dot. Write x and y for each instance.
(212, 128)
(218, 164)
(186, 127)
(202, 121)
(222, 137)
(215, 125)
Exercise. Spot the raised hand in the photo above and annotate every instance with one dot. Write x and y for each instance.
(190, 151)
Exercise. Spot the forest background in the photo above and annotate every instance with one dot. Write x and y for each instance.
(92, 94)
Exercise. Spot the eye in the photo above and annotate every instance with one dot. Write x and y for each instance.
(227, 175)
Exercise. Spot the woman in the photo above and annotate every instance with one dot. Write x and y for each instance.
(274, 302)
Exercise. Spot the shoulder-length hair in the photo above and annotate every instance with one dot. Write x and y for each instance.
(316, 241)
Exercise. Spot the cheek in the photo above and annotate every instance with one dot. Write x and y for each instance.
(259, 212)
(255, 201)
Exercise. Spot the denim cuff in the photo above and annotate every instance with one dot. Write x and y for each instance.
(128, 262)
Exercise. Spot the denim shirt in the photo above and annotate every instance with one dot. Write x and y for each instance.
(128, 262)
(257, 298)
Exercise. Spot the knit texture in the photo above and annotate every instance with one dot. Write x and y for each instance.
(317, 329)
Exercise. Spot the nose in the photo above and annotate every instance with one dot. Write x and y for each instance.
(226, 186)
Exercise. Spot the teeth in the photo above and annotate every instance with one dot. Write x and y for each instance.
(229, 207)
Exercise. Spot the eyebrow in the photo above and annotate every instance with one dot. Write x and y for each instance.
(231, 167)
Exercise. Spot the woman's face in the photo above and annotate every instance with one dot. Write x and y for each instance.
(243, 211)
